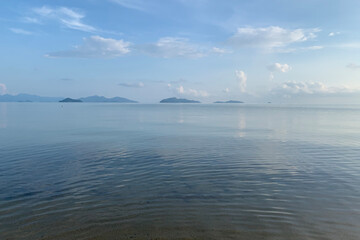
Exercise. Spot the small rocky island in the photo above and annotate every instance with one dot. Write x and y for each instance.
(101, 99)
(231, 101)
(68, 100)
(178, 100)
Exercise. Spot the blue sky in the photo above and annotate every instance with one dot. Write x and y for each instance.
(251, 50)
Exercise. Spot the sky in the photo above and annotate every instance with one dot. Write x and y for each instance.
(300, 51)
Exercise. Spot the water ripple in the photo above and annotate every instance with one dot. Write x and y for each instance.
(182, 185)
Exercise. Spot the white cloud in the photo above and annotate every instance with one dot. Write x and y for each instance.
(312, 48)
(132, 4)
(271, 76)
(31, 20)
(298, 49)
(67, 17)
(270, 37)
(304, 87)
(180, 90)
(132, 85)
(20, 31)
(189, 92)
(155, 5)
(2, 88)
(353, 66)
(96, 47)
(241, 78)
(219, 50)
(99, 47)
(198, 93)
(170, 47)
(333, 34)
(226, 90)
(278, 67)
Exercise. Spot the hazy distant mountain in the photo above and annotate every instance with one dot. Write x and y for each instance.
(104, 99)
(70, 100)
(27, 98)
(231, 101)
(178, 100)
(34, 98)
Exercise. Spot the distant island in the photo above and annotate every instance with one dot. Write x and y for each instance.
(68, 100)
(34, 98)
(109, 100)
(231, 101)
(27, 98)
(178, 100)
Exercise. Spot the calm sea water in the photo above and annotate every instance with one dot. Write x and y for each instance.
(112, 171)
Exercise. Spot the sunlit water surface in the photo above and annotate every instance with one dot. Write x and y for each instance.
(112, 171)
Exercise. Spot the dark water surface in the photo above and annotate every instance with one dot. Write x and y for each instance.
(112, 171)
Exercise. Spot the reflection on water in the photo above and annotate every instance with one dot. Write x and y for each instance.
(109, 171)
(241, 125)
(3, 115)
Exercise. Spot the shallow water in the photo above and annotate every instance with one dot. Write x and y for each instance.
(113, 171)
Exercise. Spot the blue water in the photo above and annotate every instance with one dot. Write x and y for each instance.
(196, 171)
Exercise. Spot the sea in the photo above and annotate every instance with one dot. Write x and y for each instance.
(179, 171)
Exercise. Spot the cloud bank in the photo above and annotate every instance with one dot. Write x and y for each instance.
(293, 88)
(181, 90)
(313, 93)
(168, 47)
